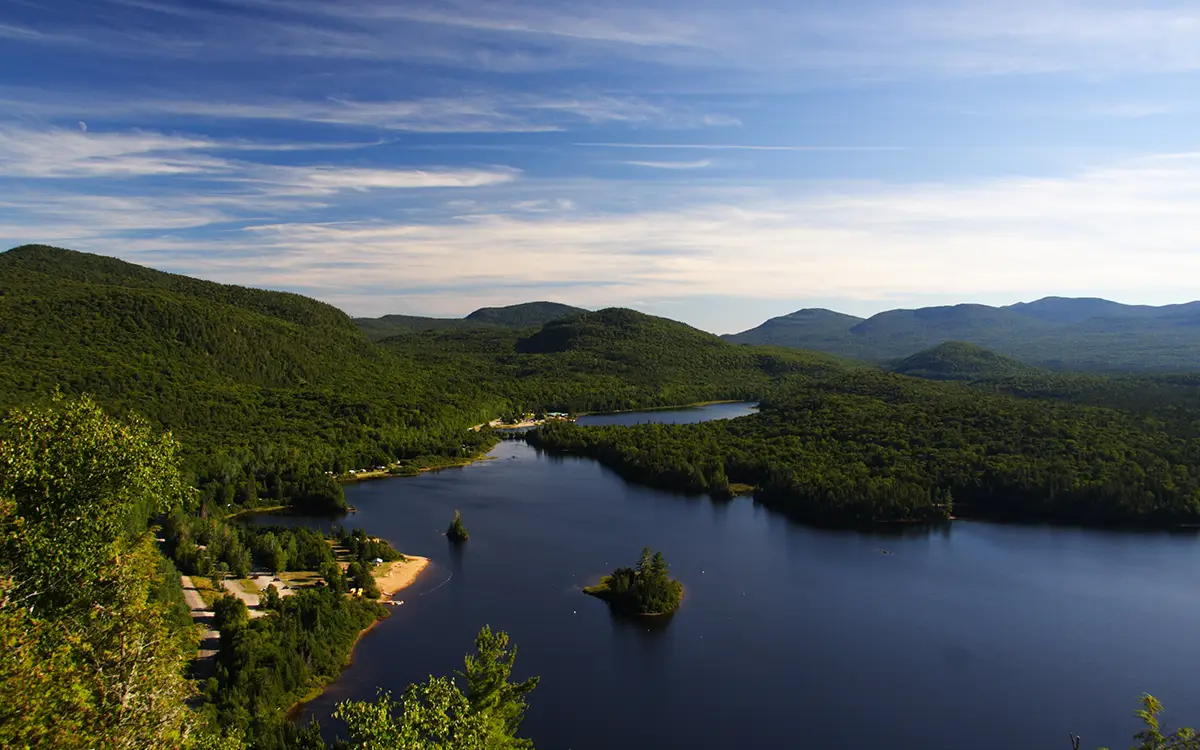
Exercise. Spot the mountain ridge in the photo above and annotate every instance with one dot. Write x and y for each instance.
(520, 315)
(1086, 333)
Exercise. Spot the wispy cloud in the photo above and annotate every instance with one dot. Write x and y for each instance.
(743, 147)
(329, 180)
(863, 36)
(699, 164)
(61, 153)
(481, 112)
(1130, 225)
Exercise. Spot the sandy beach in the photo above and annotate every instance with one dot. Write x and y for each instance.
(396, 576)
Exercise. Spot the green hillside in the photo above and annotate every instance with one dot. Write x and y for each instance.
(956, 360)
(268, 391)
(606, 360)
(812, 325)
(865, 446)
(513, 316)
(265, 390)
(525, 314)
(1058, 333)
(387, 326)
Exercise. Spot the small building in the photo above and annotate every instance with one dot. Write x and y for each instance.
(377, 561)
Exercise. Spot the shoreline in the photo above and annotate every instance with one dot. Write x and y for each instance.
(412, 567)
(693, 405)
(600, 591)
(400, 574)
(363, 476)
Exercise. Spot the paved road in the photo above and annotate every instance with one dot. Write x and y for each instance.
(251, 600)
(262, 580)
(202, 615)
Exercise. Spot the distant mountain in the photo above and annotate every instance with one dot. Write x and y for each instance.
(1055, 332)
(1081, 309)
(814, 324)
(616, 327)
(607, 360)
(956, 360)
(523, 315)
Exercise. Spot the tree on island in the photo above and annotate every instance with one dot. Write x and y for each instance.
(456, 531)
(645, 590)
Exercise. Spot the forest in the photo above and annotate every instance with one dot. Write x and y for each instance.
(271, 393)
(877, 447)
(141, 404)
(97, 641)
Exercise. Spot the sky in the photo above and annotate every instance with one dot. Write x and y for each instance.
(710, 161)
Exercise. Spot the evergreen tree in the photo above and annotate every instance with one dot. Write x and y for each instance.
(490, 691)
(456, 531)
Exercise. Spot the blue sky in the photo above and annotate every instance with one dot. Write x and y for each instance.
(714, 162)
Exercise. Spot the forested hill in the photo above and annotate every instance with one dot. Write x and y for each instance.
(265, 390)
(608, 359)
(516, 316)
(525, 314)
(1055, 332)
(867, 446)
(956, 360)
(34, 264)
(268, 391)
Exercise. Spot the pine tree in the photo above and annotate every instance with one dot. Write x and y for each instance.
(456, 531)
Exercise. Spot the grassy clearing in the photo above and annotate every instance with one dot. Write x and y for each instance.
(300, 578)
(204, 587)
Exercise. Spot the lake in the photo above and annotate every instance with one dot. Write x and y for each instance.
(980, 635)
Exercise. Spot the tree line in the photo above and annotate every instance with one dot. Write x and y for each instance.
(865, 446)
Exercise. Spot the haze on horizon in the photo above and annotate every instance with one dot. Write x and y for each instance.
(717, 163)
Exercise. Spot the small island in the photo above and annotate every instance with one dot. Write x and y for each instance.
(646, 590)
(456, 531)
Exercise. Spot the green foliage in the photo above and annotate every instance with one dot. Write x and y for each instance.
(359, 576)
(647, 589)
(88, 654)
(524, 314)
(955, 360)
(270, 599)
(492, 694)
(364, 548)
(378, 329)
(230, 614)
(266, 391)
(1152, 737)
(607, 360)
(456, 531)
(434, 715)
(514, 316)
(864, 446)
(437, 715)
(267, 664)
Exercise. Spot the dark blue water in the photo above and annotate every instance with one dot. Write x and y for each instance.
(975, 635)
(685, 415)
